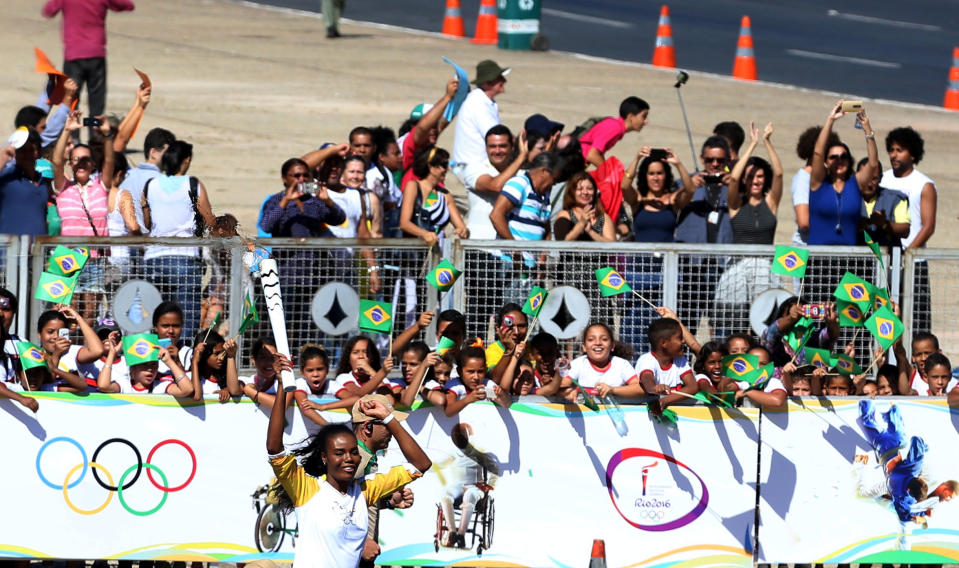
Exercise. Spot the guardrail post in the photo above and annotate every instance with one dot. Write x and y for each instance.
(671, 279)
(235, 302)
(28, 282)
(908, 292)
(22, 284)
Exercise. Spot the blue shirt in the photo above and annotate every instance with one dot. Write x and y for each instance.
(23, 203)
(829, 209)
(708, 204)
(291, 222)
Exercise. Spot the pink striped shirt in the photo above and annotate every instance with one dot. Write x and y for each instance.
(74, 219)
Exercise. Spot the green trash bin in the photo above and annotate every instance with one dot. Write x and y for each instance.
(518, 25)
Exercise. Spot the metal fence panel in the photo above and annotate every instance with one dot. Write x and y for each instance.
(710, 287)
(931, 297)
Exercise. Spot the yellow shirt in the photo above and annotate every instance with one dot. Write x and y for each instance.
(332, 525)
(899, 215)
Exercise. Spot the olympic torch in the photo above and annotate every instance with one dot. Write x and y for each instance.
(270, 280)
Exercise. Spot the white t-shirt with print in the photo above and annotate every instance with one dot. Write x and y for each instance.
(618, 372)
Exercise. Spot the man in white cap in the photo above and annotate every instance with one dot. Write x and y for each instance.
(373, 437)
(478, 114)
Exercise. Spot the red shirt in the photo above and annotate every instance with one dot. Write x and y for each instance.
(84, 25)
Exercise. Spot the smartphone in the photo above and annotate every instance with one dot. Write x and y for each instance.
(851, 106)
(64, 332)
(165, 342)
(658, 154)
(308, 187)
(814, 311)
(91, 121)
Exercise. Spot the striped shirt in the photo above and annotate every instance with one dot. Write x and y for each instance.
(529, 218)
(76, 221)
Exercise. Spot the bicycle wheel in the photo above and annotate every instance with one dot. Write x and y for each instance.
(268, 532)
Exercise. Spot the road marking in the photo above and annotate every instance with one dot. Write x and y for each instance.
(585, 18)
(843, 58)
(882, 21)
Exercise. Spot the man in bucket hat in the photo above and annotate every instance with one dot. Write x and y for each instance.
(478, 114)
(373, 437)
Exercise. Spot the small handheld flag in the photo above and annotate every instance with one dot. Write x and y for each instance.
(875, 248)
(760, 378)
(141, 348)
(376, 317)
(30, 355)
(250, 315)
(880, 297)
(66, 261)
(849, 314)
(819, 358)
(55, 288)
(445, 345)
(790, 261)
(443, 276)
(537, 297)
(884, 326)
(854, 289)
(740, 366)
(845, 365)
(611, 282)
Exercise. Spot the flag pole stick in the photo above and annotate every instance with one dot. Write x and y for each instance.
(643, 298)
(529, 330)
(802, 282)
(874, 361)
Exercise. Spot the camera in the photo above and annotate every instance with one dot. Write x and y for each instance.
(91, 121)
(713, 179)
(658, 154)
(307, 187)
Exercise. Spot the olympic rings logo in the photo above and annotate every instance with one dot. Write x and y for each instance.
(651, 515)
(121, 484)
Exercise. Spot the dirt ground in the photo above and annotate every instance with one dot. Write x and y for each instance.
(250, 87)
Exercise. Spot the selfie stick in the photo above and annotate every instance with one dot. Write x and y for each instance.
(681, 78)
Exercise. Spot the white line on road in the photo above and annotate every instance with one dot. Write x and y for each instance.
(585, 18)
(883, 21)
(843, 58)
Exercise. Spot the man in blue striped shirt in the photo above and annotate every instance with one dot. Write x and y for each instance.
(522, 209)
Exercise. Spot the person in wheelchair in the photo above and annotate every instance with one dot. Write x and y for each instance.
(473, 474)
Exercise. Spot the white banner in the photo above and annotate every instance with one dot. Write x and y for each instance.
(819, 502)
(661, 495)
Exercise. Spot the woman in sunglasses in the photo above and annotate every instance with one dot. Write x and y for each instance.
(82, 203)
(835, 199)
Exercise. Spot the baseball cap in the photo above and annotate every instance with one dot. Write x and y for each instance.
(541, 125)
(106, 325)
(19, 137)
(420, 109)
(359, 417)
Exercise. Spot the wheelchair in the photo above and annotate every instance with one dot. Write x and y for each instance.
(271, 524)
(480, 529)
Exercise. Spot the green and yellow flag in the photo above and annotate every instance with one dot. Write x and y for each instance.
(820, 358)
(880, 297)
(741, 366)
(611, 282)
(30, 355)
(845, 365)
(141, 348)
(799, 334)
(849, 314)
(875, 248)
(66, 261)
(445, 345)
(55, 288)
(884, 326)
(790, 261)
(443, 276)
(855, 290)
(250, 315)
(376, 316)
(537, 297)
(761, 377)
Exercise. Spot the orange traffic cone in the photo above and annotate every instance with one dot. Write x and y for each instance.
(453, 20)
(664, 54)
(486, 23)
(745, 65)
(952, 90)
(597, 558)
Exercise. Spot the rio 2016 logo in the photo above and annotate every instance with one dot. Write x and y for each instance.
(656, 492)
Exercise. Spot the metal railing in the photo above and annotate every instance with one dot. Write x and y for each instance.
(711, 287)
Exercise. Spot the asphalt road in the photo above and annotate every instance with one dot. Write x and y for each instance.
(884, 49)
